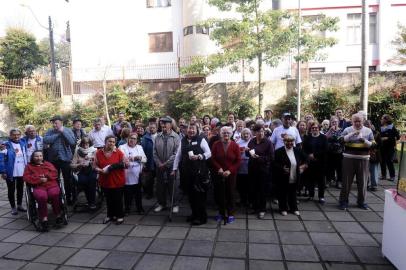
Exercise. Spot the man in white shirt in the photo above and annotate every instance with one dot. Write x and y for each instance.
(280, 132)
(98, 134)
(32, 140)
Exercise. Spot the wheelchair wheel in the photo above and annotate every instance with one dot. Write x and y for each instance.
(63, 201)
(32, 208)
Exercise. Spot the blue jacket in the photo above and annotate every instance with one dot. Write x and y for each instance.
(9, 159)
(39, 142)
(60, 144)
(147, 144)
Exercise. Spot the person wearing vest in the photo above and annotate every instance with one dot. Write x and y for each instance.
(165, 146)
(191, 161)
(110, 162)
(358, 140)
(15, 160)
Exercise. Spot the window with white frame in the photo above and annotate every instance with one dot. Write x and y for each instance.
(373, 33)
(158, 3)
(354, 28)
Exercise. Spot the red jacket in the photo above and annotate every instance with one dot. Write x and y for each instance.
(33, 173)
(226, 161)
(115, 178)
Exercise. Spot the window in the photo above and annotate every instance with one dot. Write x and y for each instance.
(354, 28)
(354, 69)
(372, 68)
(372, 28)
(202, 30)
(160, 42)
(317, 70)
(188, 30)
(158, 3)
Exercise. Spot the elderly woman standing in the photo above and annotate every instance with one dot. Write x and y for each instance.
(226, 158)
(389, 136)
(136, 159)
(242, 174)
(109, 163)
(290, 162)
(260, 152)
(334, 152)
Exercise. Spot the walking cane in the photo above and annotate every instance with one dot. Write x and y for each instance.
(172, 196)
(223, 180)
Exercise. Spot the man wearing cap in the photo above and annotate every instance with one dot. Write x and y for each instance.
(268, 117)
(165, 146)
(61, 140)
(279, 133)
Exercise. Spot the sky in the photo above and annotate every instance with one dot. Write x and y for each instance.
(13, 14)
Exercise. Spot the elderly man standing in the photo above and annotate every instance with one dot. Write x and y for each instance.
(98, 134)
(357, 141)
(32, 140)
(281, 132)
(60, 140)
(165, 147)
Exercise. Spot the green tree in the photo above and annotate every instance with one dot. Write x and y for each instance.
(62, 52)
(19, 53)
(324, 103)
(260, 36)
(400, 43)
(182, 103)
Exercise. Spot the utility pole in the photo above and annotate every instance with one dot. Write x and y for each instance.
(299, 64)
(364, 56)
(51, 45)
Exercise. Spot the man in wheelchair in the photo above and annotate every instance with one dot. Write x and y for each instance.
(43, 178)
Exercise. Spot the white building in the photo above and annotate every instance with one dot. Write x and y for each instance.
(143, 39)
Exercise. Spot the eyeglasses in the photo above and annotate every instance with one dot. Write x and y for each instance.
(133, 138)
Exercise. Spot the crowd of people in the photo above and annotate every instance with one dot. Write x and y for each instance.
(248, 162)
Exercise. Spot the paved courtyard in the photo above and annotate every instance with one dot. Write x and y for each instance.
(322, 238)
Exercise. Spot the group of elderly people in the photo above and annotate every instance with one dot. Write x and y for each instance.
(262, 158)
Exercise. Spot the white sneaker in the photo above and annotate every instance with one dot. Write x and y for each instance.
(284, 213)
(261, 215)
(159, 208)
(297, 213)
(175, 209)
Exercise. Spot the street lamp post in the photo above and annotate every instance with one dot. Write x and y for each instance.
(299, 73)
(364, 57)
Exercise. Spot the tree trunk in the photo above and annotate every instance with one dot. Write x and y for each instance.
(106, 109)
(260, 91)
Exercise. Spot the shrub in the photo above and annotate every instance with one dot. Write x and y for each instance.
(182, 103)
(324, 103)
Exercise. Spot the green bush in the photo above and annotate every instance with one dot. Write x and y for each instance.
(182, 103)
(324, 103)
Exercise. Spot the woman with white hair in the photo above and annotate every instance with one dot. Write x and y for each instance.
(325, 126)
(226, 158)
(242, 175)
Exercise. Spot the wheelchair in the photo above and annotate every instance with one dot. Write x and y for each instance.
(32, 206)
(80, 205)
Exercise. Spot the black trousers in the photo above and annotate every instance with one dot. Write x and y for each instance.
(316, 177)
(243, 188)
(148, 177)
(64, 167)
(287, 197)
(88, 183)
(224, 191)
(114, 202)
(335, 164)
(11, 188)
(258, 181)
(387, 161)
(132, 192)
(197, 202)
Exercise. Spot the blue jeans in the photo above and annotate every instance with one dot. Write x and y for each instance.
(373, 174)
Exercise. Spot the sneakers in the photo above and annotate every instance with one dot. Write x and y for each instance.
(296, 213)
(343, 206)
(44, 226)
(92, 206)
(21, 209)
(175, 209)
(322, 201)
(230, 219)
(261, 215)
(392, 179)
(284, 213)
(159, 208)
(339, 185)
(14, 211)
(363, 206)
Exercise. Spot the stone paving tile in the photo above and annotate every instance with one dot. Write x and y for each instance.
(70, 227)
(91, 228)
(202, 234)
(120, 260)
(190, 263)
(75, 240)
(4, 233)
(289, 226)
(121, 230)
(87, 258)
(154, 220)
(359, 239)
(26, 252)
(380, 267)
(370, 255)
(230, 250)
(39, 266)
(48, 239)
(294, 238)
(21, 237)
(336, 266)
(17, 224)
(56, 255)
(304, 266)
(227, 264)
(7, 248)
(339, 216)
(367, 216)
(155, 262)
(348, 227)
(10, 264)
(166, 246)
(197, 248)
(270, 237)
(378, 237)
(304, 253)
(239, 224)
(265, 265)
(336, 254)
(312, 215)
(326, 239)
(173, 232)
(232, 235)
(134, 244)
(145, 231)
(373, 227)
(4, 221)
(257, 224)
(318, 226)
(104, 242)
(265, 252)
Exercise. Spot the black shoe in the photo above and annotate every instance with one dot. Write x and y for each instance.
(141, 211)
(21, 209)
(119, 221)
(196, 222)
(44, 226)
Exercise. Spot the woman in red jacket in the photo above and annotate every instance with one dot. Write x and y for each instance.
(226, 159)
(43, 176)
(109, 162)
